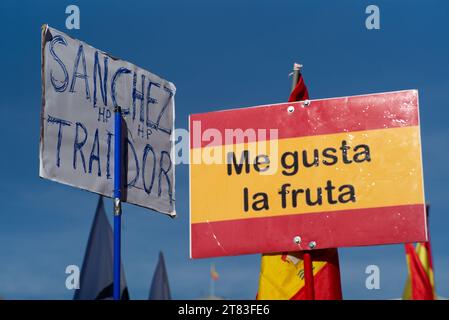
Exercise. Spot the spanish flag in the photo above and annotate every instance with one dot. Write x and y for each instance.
(420, 284)
(282, 275)
(213, 273)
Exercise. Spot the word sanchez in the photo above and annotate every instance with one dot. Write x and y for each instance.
(291, 163)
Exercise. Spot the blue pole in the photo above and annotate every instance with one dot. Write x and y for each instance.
(117, 198)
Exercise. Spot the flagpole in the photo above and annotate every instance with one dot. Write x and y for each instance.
(295, 74)
(307, 257)
(308, 276)
(117, 198)
(212, 281)
(212, 287)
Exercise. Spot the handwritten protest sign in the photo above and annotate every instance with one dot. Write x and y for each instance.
(317, 174)
(81, 86)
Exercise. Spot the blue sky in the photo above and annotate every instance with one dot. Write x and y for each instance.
(220, 54)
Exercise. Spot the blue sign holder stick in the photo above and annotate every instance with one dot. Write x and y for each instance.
(117, 199)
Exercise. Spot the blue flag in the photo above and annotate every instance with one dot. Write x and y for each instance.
(96, 280)
(160, 290)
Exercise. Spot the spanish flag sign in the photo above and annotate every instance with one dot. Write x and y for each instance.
(337, 172)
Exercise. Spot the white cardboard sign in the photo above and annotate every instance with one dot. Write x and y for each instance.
(81, 86)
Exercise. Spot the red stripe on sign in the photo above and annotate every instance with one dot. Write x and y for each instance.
(358, 227)
(327, 116)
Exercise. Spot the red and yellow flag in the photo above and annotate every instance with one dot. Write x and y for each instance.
(420, 284)
(213, 273)
(282, 275)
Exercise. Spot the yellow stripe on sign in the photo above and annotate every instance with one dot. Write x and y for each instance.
(392, 176)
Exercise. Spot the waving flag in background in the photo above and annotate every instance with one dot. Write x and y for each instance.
(213, 273)
(300, 91)
(160, 289)
(96, 281)
(420, 283)
(282, 275)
